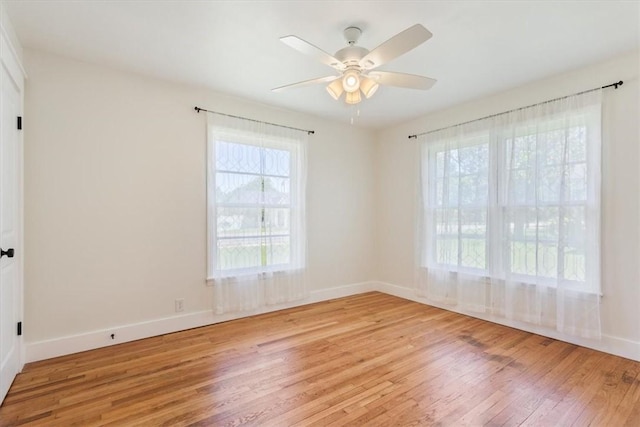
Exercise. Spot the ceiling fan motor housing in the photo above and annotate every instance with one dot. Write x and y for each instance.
(350, 56)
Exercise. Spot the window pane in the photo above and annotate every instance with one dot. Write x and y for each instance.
(239, 253)
(547, 260)
(535, 236)
(276, 162)
(276, 221)
(277, 191)
(235, 157)
(522, 257)
(473, 253)
(461, 230)
(574, 264)
(245, 241)
(278, 250)
(551, 148)
(473, 189)
(575, 232)
(575, 227)
(462, 176)
(576, 144)
(253, 252)
(521, 188)
(473, 231)
(549, 183)
(446, 228)
(532, 235)
(521, 152)
(236, 222)
(576, 186)
(238, 189)
(447, 250)
(446, 222)
(474, 159)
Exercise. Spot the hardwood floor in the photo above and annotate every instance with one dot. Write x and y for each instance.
(370, 359)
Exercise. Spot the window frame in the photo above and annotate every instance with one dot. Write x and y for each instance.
(432, 193)
(496, 210)
(262, 142)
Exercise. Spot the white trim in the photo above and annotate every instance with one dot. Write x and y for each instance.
(609, 344)
(13, 43)
(47, 349)
(102, 338)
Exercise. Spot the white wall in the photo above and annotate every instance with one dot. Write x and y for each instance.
(115, 200)
(397, 177)
(115, 223)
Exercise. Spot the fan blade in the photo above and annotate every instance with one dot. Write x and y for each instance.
(306, 83)
(401, 43)
(410, 81)
(311, 50)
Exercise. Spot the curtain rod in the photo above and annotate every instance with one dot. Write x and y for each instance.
(198, 109)
(615, 86)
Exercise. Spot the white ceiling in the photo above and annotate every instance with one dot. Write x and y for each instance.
(478, 47)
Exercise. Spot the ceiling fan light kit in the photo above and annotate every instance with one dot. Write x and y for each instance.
(351, 81)
(355, 64)
(353, 97)
(335, 89)
(368, 86)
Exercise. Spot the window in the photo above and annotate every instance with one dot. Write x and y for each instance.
(256, 203)
(546, 207)
(516, 198)
(459, 192)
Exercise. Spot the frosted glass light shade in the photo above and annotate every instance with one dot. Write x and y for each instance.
(335, 89)
(353, 97)
(368, 86)
(351, 81)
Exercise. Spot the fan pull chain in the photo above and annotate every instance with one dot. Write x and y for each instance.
(357, 112)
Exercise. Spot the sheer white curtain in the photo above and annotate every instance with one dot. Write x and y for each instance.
(256, 213)
(509, 219)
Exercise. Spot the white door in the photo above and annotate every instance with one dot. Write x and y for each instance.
(10, 230)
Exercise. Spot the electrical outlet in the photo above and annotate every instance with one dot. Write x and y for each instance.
(179, 304)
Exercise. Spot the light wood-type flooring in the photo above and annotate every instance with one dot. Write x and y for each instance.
(370, 359)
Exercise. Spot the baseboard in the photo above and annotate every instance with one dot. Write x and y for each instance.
(62, 346)
(102, 338)
(609, 344)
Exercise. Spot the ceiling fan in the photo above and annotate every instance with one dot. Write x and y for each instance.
(356, 65)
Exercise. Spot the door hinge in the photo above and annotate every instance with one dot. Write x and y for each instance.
(19, 328)
(19, 122)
